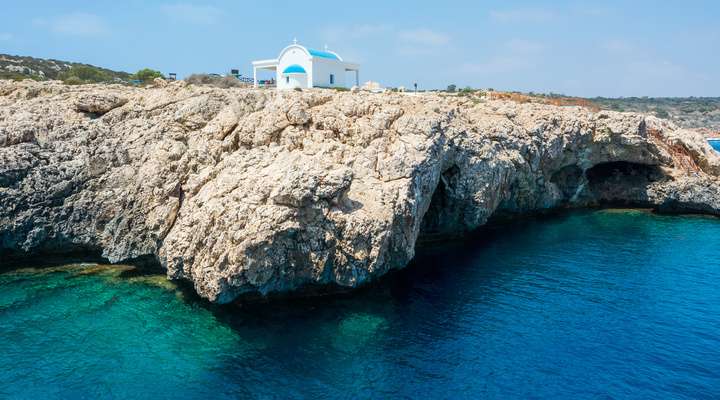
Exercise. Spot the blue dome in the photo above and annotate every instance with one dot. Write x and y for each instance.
(294, 69)
(323, 54)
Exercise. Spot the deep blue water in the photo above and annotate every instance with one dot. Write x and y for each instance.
(715, 144)
(602, 304)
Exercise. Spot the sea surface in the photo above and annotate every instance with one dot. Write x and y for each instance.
(607, 304)
(715, 143)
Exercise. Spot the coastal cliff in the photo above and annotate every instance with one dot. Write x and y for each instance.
(245, 191)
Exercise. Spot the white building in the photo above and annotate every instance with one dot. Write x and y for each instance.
(300, 67)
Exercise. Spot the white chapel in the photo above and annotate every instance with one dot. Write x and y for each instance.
(300, 67)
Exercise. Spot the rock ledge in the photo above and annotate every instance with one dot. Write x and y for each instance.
(253, 191)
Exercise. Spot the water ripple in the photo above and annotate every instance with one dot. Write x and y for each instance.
(605, 304)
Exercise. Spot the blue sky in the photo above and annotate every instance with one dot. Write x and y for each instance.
(610, 48)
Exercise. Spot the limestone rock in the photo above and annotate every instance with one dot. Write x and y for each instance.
(253, 191)
(160, 82)
(99, 103)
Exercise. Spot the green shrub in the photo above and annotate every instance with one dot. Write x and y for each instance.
(451, 88)
(228, 82)
(78, 74)
(466, 91)
(73, 80)
(15, 76)
(147, 75)
(662, 113)
(200, 79)
(214, 80)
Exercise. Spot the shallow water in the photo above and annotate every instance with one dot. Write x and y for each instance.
(603, 304)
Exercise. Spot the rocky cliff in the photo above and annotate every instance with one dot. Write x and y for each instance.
(253, 191)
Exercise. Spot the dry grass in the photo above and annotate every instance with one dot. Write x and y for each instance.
(216, 81)
(555, 101)
(516, 97)
(573, 101)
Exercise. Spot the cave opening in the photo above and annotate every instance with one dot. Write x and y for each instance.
(569, 180)
(622, 183)
(443, 215)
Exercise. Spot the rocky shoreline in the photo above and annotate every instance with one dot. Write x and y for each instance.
(246, 192)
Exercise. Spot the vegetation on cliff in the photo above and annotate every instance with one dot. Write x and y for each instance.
(686, 112)
(72, 73)
(215, 81)
(19, 67)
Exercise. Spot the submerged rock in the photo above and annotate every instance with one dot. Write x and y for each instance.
(253, 191)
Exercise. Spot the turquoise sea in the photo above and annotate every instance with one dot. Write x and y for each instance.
(715, 144)
(610, 304)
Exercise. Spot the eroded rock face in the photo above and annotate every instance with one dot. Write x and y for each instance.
(253, 191)
(99, 103)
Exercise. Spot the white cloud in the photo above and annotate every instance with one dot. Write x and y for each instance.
(657, 70)
(193, 14)
(77, 24)
(410, 42)
(423, 36)
(4, 37)
(367, 30)
(514, 55)
(495, 65)
(523, 15)
(526, 15)
(338, 34)
(648, 77)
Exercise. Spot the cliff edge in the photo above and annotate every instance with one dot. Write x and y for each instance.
(253, 191)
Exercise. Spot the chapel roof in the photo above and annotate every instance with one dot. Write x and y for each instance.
(294, 69)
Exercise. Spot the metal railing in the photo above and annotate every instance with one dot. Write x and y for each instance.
(261, 82)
